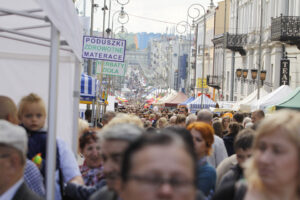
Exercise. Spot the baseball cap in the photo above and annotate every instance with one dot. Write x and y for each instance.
(13, 135)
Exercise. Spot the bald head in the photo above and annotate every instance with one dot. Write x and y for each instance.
(8, 110)
(205, 116)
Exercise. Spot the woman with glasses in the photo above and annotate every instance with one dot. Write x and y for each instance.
(91, 169)
(203, 137)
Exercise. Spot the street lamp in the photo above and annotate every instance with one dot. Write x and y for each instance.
(195, 15)
(243, 73)
(123, 18)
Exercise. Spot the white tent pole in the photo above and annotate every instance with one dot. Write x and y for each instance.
(26, 11)
(22, 13)
(32, 42)
(76, 97)
(52, 108)
(24, 34)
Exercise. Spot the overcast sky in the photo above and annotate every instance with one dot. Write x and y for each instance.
(146, 15)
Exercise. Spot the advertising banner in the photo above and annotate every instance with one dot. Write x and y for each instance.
(284, 72)
(107, 49)
(111, 68)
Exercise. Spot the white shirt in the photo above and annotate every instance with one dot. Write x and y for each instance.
(219, 152)
(10, 193)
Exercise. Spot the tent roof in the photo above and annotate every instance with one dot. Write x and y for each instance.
(179, 98)
(189, 100)
(245, 104)
(31, 25)
(272, 98)
(291, 102)
(207, 102)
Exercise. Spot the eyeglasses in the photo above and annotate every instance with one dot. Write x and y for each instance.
(155, 182)
(4, 156)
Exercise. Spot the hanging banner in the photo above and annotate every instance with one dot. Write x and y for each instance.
(107, 49)
(284, 72)
(111, 68)
(199, 83)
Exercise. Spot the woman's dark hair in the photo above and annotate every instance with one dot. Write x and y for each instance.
(165, 138)
(217, 125)
(234, 128)
(87, 137)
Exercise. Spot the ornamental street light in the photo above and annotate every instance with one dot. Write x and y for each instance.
(195, 15)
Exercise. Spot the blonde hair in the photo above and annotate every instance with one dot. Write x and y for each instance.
(288, 122)
(29, 99)
(125, 119)
(7, 107)
(164, 122)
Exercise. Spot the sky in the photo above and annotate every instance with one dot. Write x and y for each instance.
(157, 16)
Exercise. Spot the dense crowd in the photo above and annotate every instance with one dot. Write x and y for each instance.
(148, 154)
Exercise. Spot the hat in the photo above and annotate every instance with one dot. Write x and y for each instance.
(13, 135)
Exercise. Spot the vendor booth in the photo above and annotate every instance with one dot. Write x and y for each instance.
(201, 102)
(290, 102)
(179, 98)
(245, 104)
(272, 98)
(40, 52)
(187, 102)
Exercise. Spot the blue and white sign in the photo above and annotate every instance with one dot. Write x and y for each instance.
(107, 49)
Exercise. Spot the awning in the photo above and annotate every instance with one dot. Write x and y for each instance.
(88, 88)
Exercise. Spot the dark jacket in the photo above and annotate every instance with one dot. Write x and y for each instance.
(233, 175)
(24, 193)
(82, 192)
(104, 194)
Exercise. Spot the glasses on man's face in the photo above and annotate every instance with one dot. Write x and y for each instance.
(4, 156)
(179, 184)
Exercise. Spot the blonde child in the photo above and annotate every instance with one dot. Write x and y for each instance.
(32, 115)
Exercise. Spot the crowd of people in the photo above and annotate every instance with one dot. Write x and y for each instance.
(145, 154)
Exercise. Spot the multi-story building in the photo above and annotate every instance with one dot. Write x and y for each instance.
(280, 36)
(168, 56)
(207, 23)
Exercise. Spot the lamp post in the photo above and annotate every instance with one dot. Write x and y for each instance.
(123, 18)
(196, 8)
(243, 73)
(260, 41)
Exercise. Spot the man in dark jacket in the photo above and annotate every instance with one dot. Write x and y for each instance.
(13, 149)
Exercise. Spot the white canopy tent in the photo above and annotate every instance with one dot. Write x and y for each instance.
(40, 52)
(245, 104)
(272, 98)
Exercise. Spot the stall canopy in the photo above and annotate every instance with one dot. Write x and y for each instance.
(179, 98)
(245, 104)
(166, 98)
(88, 88)
(290, 102)
(188, 101)
(272, 98)
(40, 51)
(197, 103)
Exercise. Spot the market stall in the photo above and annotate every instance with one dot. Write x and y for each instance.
(272, 98)
(179, 98)
(292, 101)
(245, 104)
(40, 52)
(201, 102)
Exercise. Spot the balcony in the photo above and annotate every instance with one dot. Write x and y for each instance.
(234, 42)
(286, 29)
(214, 81)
